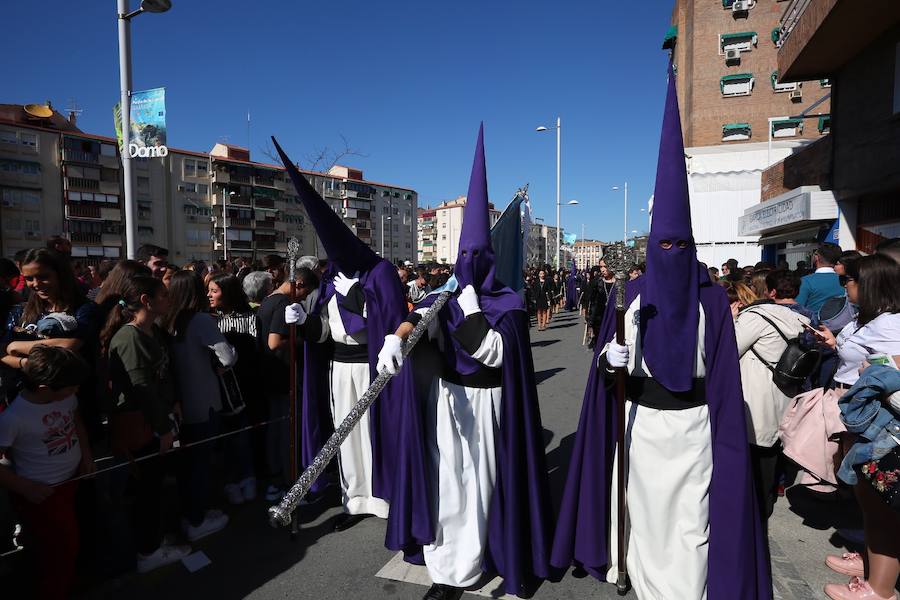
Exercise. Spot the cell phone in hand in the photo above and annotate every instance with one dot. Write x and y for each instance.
(814, 331)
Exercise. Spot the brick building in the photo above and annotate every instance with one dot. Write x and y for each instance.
(738, 117)
(857, 46)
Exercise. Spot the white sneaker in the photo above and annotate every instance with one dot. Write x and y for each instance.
(166, 554)
(233, 494)
(214, 521)
(248, 489)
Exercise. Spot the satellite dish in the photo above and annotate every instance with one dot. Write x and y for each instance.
(39, 110)
(156, 6)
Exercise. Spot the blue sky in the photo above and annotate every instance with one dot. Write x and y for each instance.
(406, 82)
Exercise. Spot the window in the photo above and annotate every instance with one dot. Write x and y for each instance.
(188, 187)
(202, 168)
(190, 168)
(782, 87)
(109, 175)
(143, 182)
(384, 193)
(8, 137)
(735, 132)
(825, 124)
(787, 128)
(776, 37)
(202, 188)
(740, 84)
(28, 139)
(107, 149)
(743, 41)
(111, 252)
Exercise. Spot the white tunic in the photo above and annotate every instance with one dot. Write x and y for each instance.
(349, 381)
(669, 454)
(462, 469)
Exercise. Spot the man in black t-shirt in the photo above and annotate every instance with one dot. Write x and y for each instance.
(274, 355)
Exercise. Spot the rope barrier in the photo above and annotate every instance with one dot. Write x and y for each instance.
(174, 448)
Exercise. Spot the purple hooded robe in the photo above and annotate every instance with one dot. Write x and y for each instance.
(519, 526)
(386, 308)
(675, 285)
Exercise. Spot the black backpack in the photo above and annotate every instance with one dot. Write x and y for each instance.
(796, 364)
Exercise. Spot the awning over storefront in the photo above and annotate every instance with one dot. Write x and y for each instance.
(806, 207)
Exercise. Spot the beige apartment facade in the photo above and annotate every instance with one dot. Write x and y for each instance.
(56, 179)
(439, 229)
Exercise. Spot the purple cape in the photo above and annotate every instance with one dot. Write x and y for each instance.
(519, 523)
(571, 291)
(738, 562)
(385, 310)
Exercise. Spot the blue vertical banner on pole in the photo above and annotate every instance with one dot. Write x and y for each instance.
(509, 250)
(148, 118)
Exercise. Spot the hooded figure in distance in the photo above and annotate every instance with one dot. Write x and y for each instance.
(481, 435)
(694, 530)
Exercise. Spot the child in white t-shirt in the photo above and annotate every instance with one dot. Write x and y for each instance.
(41, 435)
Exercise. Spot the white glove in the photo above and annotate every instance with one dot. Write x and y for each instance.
(468, 301)
(390, 358)
(616, 355)
(342, 283)
(294, 314)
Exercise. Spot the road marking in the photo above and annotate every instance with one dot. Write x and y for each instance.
(397, 569)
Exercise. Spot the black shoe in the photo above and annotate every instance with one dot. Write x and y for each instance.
(440, 591)
(346, 521)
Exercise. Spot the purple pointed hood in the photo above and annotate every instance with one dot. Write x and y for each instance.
(670, 300)
(475, 260)
(349, 252)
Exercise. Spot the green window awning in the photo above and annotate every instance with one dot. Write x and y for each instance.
(670, 38)
(794, 122)
(736, 78)
(774, 79)
(727, 3)
(738, 36)
(824, 123)
(776, 35)
(825, 82)
(733, 127)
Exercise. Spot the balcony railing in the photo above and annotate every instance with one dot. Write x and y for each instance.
(82, 184)
(83, 237)
(260, 202)
(239, 178)
(267, 224)
(73, 211)
(79, 156)
(240, 244)
(266, 181)
(790, 17)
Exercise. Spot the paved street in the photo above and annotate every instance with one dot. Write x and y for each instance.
(252, 560)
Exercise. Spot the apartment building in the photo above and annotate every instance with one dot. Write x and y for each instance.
(439, 229)
(738, 114)
(847, 185)
(56, 179)
(542, 246)
(587, 253)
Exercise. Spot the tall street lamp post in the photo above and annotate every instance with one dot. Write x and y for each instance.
(125, 14)
(558, 130)
(625, 228)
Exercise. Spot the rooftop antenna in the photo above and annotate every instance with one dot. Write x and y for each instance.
(73, 111)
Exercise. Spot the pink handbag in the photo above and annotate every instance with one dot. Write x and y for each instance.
(809, 432)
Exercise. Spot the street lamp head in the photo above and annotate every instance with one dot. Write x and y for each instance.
(156, 6)
(572, 202)
(615, 188)
(541, 128)
(232, 193)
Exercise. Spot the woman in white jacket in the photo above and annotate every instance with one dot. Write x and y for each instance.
(758, 341)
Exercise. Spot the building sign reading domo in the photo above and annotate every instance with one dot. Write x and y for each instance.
(148, 124)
